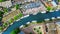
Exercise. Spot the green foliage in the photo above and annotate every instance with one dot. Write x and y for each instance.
(5, 24)
(17, 6)
(34, 28)
(1, 15)
(26, 25)
(2, 0)
(49, 8)
(11, 20)
(16, 31)
(37, 30)
(1, 28)
(16, 17)
(39, 27)
(40, 32)
(58, 0)
(30, 33)
(5, 10)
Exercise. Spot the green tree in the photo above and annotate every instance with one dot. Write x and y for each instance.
(5, 10)
(30, 33)
(49, 8)
(16, 17)
(1, 28)
(17, 6)
(1, 15)
(2, 0)
(15, 31)
(5, 24)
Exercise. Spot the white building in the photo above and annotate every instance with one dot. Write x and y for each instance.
(6, 4)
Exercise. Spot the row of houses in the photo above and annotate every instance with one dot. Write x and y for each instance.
(6, 4)
(9, 3)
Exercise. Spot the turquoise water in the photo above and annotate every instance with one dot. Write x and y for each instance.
(38, 17)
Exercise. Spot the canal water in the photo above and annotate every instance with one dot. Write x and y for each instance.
(38, 17)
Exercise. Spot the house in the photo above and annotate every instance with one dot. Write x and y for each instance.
(6, 4)
(58, 27)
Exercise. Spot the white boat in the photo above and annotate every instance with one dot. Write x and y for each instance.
(18, 20)
(34, 21)
(28, 23)
(58, 17)
(51, 11)
(34, 13)
(11, 23)
(57, 10)
(43, 12)
(21, 26)
(21, 17)
(46, 19)
(53, 18)
(26, 16)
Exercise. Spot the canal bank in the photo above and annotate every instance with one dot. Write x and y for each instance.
(38, 17)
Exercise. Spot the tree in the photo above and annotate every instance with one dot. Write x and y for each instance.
(17, 6)
(15, 31)
(30, 33)
(1, 15)
(49, 8)
(5, 24)
(2, 0)
(1, 28)
(16, 17)
(34, 28)
(5, 10)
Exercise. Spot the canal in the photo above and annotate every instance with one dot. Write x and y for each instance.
(38, 17)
